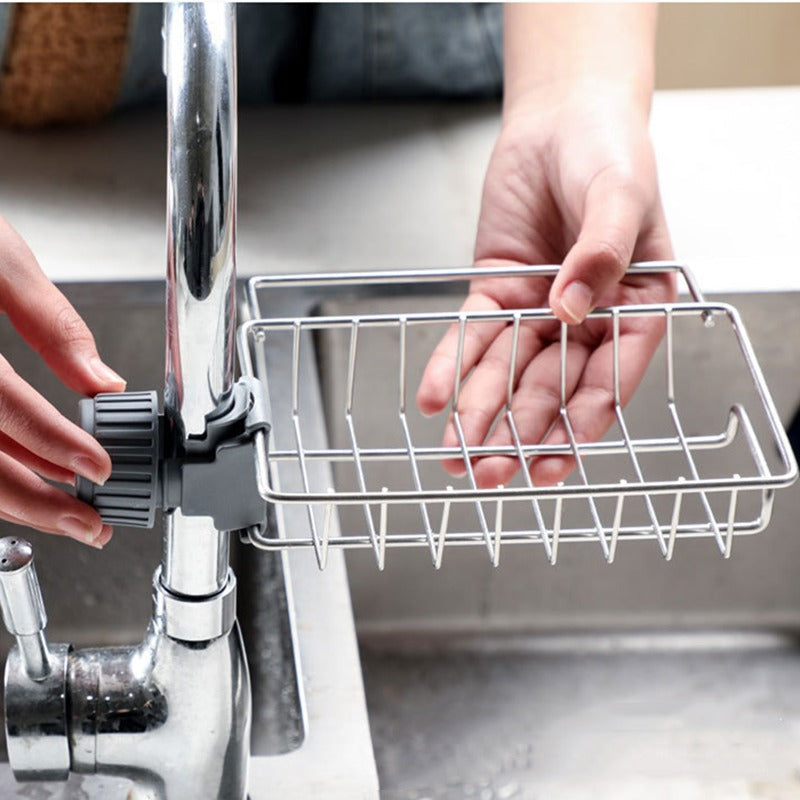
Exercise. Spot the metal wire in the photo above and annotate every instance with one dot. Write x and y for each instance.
(381, 470)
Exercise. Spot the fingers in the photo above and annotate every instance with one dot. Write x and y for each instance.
(47, 321)
(613, 216)
(486, 391)
(589, 387)
(436, 386)
(34, 424)
(33, 435)
(33, 462)
(486, 294)
(534, 407)
(26, 499)
(591, 409)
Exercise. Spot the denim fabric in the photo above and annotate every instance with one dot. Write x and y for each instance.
(405, 50)
(143, 79)
(294, 52)
(5, 19)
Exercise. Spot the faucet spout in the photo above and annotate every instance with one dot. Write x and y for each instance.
(200, 63)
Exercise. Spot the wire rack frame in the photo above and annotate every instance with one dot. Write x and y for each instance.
(489, 504)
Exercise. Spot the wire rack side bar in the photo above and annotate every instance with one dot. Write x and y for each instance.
(412, 319)
(439, 453)
(522, 492)
(779, 434)
(438, 275)
(466, 538)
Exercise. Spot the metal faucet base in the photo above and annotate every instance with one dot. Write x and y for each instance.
(163, 713)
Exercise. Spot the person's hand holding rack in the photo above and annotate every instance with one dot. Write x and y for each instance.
(35, 440)
(572, 181)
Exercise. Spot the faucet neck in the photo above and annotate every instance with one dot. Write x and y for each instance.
(200, 65)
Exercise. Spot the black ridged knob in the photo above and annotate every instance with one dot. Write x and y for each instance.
(127, 425)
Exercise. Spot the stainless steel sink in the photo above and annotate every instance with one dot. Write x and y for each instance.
(644, 678)
(689, 716)
(639, 679)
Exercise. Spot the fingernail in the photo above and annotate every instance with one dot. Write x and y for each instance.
(77, 529)
(456, 468)
(549, 469)
(87, 468)
(577, 300)
(105, 373)
(102, 538)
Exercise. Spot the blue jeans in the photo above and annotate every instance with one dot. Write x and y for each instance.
(342, 52)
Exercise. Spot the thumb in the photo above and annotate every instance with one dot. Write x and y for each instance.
(613, 216)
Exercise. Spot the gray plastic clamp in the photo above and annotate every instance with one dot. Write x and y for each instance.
(154, 467)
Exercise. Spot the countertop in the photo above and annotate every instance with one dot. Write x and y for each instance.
(390, 186)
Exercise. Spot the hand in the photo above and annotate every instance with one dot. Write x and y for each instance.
(35, 440)
(572, 181)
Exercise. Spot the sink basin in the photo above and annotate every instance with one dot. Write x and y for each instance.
(644, 678)
(690, 716)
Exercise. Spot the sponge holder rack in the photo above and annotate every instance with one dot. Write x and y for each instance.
(659, 487)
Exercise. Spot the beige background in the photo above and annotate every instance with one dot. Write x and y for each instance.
(728, 44)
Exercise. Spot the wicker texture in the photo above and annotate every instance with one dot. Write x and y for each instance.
(64, 62)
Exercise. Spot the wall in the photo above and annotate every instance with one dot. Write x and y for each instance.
(728, 44)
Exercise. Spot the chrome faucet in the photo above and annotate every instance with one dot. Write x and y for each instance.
(172, 713)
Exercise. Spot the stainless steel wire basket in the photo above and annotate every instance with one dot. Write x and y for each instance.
(701, 455)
